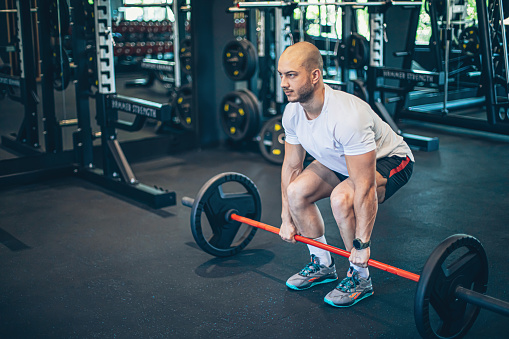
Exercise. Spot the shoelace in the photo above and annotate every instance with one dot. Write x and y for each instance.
(312, 267)
(348, 284)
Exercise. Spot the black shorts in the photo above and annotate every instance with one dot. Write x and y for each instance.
(396, 170)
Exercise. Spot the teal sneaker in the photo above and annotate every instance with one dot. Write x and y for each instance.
(313, 274)
(350, 290)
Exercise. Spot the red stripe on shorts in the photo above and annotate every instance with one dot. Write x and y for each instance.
(400, 167)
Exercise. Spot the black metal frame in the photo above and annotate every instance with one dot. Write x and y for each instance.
(52, 129)
(116, 174)
(489, 19)
(34, 164)
(27, 138)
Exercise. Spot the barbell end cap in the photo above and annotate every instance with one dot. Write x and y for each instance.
(186, 201)
(228, 214)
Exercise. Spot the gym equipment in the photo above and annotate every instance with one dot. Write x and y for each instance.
(115, 172)
(26, 140)
(59, 18)
(161, 70)
(61, 68)
(469, 40)
(448, 290)
(240, 115)
(183, 107)
(271, 140)
(453, 280)
(357, 51)
(8, 83)
(215, 202)
(140, 107)
(92, 51)
(185, 55)
(239, 59)
(360, 90)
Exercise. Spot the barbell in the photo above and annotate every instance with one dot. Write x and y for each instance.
(452, 283)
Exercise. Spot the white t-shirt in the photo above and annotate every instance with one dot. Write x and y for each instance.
(346, 126)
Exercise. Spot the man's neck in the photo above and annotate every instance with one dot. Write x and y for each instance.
(313, 107)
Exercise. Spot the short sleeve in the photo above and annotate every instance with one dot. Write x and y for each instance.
(357, 137)
(289, 126)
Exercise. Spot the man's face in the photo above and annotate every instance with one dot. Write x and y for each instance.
(295, 79)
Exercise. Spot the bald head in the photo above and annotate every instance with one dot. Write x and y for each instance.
(304, 54)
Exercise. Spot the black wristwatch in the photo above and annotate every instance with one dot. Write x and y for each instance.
(359, 245)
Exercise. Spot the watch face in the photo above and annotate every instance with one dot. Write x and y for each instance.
(356, 244)
(359, 245)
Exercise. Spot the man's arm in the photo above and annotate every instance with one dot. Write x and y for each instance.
(293, 165)
(362, 172)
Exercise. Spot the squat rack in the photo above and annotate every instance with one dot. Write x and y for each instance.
(116, 173)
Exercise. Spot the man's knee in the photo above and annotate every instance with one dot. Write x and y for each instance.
(341, 201)
(296, 193)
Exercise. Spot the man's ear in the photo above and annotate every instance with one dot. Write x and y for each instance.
(315, 76)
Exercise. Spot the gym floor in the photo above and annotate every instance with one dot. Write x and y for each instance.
(78, 261)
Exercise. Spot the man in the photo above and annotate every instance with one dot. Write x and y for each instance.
(359, 163)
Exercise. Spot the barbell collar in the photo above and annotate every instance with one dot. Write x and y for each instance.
(229, 213)
(189, 202)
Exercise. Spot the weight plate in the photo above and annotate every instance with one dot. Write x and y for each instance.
(256, 108)
(183, 107)
(185, 56)
(239, 59)
(240, 115)
(357, 51)
(222, 193)
(459, 260)
(469, 40)
(272, 140)
(61, 69)
(59, 18)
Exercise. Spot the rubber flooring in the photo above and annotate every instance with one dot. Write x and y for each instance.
(78, 261)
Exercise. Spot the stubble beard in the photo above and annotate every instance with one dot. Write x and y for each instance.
(304, 94)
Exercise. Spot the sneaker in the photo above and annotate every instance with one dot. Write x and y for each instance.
(313, 274)
(350, 290)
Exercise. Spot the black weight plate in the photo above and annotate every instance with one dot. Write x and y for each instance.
(255, 106)
(358, 51)
(183, 107)
(61, 69)
(59, 18)
(459, 260)
(272, 140)
(185, 56)
(213, 233)
(239, 59)
(253, 110)
(238, 117)
(469, 40)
